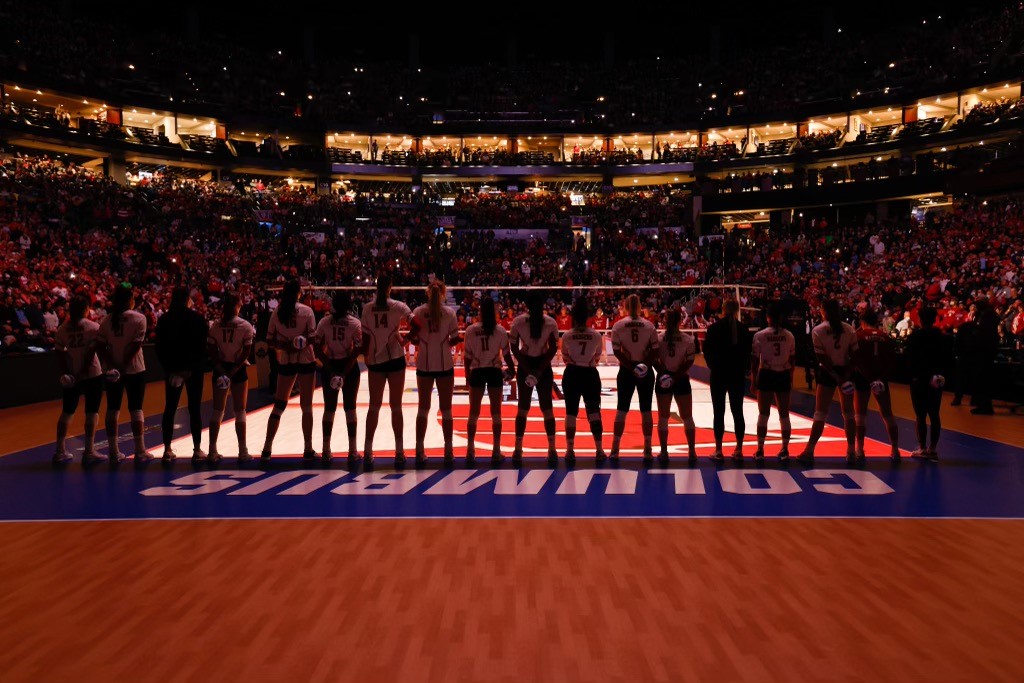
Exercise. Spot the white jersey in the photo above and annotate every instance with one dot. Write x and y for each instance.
(520, 335)
(837, 349)
(434, 353)
(340, 335)
(676, 353)
(381, 326)
(485, 350)
(775, 349)
(303, 324)
(229, 338)
(130, 330)
(633, 337)
(582, 347)
(75, 340)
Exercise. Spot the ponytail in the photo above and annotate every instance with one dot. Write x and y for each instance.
(633, 306)
(672, 319)
(775, 315)
(834, 316)
(488, 319)
(580, 313)
(228, 304)
(435, 293)
(536, 317)
(77, 308)
(380, 303)
(120, 302)
(341, 303)
(289, 298)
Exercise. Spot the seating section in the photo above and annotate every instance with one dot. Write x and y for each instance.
(775, 147)
(344, 155)
(204, 143)
(922, 127)
(145, 136)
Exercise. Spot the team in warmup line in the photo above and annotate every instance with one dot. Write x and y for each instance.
(106, 358)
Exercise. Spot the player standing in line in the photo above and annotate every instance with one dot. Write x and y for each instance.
(385, 364)
(534, 342)
(486, 344)
(337, 341)
(773, 360)
(229, 342)
(291, 325)
(181, 336)
(727, 353)
(119, 344)
(582, 348)
(80, 376)
(834, 344)
(635, 344)
(873, 363)
(676, 354)
(929, 353)
(434, 328)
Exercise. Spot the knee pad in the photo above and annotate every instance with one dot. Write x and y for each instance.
(859, 420)
(762, 421)
(64, 419)
(820, 415)
(240, 418)
(688, 423)
(593, 417)
(785, 423)
(620, 415)
(137, 416)
(279, 406)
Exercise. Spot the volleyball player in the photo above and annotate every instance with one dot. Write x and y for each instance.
(676, 353)
(635, 344)
(119, 344)
(582, 348)
(534, 342)
(834, 343)
(434, 328)
(727, 345)
(81, 375)
(929, 352)
(486, 344)
(337, 342)
(873, 364)
(385, 363)
(181, 338)
(229, 342)
(291, 325)
(773, 360)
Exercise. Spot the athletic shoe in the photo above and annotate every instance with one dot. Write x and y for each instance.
(600, 455)
(243, 456)
(265, 456)
(497, 458)
(783, 455)
(663, 456)
(851, 459)
(198, 456)
(692, 457)
(570, 457)
(737, 455)
(517, 456)
(552, 457)
(309, 454)
(326, 456)
(62, 458)
(759, 455)
(862, 458)
(93, 458)
(169, 455)
(895, 457)
(648, 457)
(367, 460)
(213, 458)
(805, 458)
(421, 458)
(920, 453)
(932, 456)
(400, 459)
(717, 456)
(449, 456)
(470, 458)
(614, 455)
(143, 456)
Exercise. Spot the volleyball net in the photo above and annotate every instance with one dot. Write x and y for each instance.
(699, 305)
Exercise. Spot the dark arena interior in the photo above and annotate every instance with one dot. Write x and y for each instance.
(511, 344)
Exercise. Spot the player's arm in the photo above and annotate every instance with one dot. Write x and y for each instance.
(507, 353)
(353, 354)
(552, 348)
(651, 352)
(211, 351)
(561, 347)
(413, 336)
(617, 350)
(514, 345)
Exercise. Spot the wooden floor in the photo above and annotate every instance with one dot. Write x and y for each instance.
(513, 600)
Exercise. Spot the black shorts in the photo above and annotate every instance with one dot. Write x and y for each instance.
(91, 389)
(393, 365)
(581, 382)
(626, 382)
(349, 390)
(436, 373)
(241, 375)
(134, 385)
(486, 378)
(862, 383)
(825, 377)
(292, 369)
(545, 381)
(680, 387)
(774, 380)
